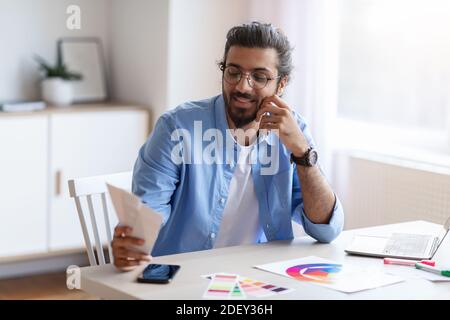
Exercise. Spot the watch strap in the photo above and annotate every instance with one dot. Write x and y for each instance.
(303, 160)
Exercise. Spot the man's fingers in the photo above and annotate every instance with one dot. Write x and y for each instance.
(266, 107)
(269, 126)
(121, 231)
(123, 253)
(126, 265)
(126, 258)
(274, 105)
(127, 241)
(271, 118)
(146, 257)
(126, 269)
(278, 101)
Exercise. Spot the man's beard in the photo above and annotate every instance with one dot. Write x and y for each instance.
(240, 116)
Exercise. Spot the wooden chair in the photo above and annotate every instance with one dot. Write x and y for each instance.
(88, 188)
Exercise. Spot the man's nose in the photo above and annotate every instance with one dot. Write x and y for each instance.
(244, 83)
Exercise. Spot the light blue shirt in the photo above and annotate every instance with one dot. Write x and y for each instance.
(190, 193)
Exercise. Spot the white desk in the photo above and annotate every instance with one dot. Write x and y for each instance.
(106, 282)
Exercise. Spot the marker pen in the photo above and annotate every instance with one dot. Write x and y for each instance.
(405, 262)
(424, 267)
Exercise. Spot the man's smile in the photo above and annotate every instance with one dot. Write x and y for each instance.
(243, 101)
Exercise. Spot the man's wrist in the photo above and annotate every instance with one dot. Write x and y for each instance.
(300, 151)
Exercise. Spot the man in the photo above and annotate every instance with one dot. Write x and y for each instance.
(233, 201)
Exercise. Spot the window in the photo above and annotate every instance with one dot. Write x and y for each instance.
(394, 65)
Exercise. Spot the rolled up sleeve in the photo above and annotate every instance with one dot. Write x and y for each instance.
(324, 232)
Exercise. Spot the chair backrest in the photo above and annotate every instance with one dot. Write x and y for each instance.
(88, 188)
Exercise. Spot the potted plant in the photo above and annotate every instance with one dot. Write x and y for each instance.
(56, 87)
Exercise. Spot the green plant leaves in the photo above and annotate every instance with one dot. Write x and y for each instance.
(57, 71)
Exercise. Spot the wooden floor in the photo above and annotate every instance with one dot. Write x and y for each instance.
(48, 286)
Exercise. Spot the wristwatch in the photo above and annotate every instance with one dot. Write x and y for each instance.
(308, 159)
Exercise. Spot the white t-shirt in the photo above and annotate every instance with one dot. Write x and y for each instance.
(240, 220)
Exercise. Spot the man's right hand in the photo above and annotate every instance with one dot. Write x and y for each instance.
(127, 258)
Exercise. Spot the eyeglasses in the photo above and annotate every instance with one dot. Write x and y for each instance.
(256, 79)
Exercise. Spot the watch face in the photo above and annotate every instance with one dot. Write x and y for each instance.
(312, 158)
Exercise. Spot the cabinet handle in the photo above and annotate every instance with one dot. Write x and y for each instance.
(58, 176)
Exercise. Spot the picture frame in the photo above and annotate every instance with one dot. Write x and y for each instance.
(85, 56)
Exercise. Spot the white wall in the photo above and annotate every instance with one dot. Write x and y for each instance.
(158, 53)
(293, 17)
(29, 27)
(197, 33)
(139, 52)
(164, 52)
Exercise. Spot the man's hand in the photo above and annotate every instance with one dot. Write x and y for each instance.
(318, 197)
(127, 258)
(281, 119)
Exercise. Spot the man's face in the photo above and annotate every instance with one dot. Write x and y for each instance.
(241, 100)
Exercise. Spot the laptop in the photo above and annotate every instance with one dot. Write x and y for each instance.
(398, 245)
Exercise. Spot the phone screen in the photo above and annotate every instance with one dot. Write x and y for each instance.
(158, 273)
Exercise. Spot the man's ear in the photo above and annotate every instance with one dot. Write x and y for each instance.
(282, 86)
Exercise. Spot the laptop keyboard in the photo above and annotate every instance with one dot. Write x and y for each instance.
(403, 244)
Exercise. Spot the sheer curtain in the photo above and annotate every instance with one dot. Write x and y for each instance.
(311, 26)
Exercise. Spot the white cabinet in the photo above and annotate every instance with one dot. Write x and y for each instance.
(40, 152)
(86, 144)
(23, 184)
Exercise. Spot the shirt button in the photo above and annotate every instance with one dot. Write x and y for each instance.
(222, 200)
(267, 225)
(213, 235)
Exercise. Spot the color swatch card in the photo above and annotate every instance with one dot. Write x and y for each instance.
(224, 286)
(256, 288)
(261, 289)
(330, 274)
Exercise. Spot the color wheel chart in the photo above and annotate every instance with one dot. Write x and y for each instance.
(316, 272)
(330, 274)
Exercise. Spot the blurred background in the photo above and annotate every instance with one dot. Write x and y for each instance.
(372, 78)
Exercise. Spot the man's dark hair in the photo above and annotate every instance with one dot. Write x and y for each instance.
(261, 35)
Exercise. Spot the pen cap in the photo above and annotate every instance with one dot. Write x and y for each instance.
(429, 262)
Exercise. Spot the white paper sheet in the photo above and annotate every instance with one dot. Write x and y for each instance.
(133, 213)
(412, 273)
(330, 274)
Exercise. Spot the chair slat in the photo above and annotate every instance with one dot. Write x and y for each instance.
(98, 244)
(108, 226)
(87, 241)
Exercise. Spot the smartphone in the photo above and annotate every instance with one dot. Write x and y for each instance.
(158, 273)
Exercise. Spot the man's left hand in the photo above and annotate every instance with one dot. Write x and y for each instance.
(282, 120)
